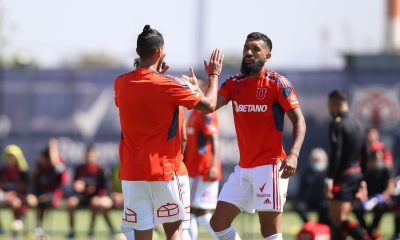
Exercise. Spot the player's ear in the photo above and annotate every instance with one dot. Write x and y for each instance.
(158, 53)
(268, 55)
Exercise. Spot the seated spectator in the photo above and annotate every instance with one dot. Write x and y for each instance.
(14, 180)
(116, 195)
(47, 179)
(89, 189)
(396, 206)
(380, 187)
(373, 137)
(311, 195)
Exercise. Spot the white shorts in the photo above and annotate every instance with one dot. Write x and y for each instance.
(185, 190)
(204, 194)
(260, 188)
(149, 203)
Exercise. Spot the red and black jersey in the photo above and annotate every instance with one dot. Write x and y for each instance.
(13, 179)
(47, 180)
(93, 176)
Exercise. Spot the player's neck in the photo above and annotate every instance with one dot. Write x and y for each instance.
(255, 74)
(150, 65)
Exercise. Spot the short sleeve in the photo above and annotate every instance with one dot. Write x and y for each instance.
(180, 93)
(225, 90)
(210, 125)
(286, 94)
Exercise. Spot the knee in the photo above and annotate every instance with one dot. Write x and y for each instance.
(72, 203)
(218, 224)
(16, 204)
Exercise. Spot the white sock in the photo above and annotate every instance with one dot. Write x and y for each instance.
(193, 227)
(227, 234)
(186, 235)
(204, 220)
(277, 236)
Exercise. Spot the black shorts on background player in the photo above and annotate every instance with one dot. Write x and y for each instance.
(346, 187)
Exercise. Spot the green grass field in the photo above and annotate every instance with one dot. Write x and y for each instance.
(56, 226)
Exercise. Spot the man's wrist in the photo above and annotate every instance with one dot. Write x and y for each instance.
(294, 152)
(213, 77)
(213, 74)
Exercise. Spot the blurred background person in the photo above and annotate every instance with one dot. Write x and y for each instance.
(89, 189)
(311, 190)
(396, 206)
(380, 187)
(204, 166)
(116, 188)
(184, 183)
(14, 183)
(373, 137)
(48, 178)
(347, 164)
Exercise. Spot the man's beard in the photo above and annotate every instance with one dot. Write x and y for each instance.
(251, 69)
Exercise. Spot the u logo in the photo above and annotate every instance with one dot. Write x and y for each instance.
(261, 92)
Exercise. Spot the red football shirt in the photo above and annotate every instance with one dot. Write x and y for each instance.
(182, 168)
(198, 153)
(259, 105)
(148, 105)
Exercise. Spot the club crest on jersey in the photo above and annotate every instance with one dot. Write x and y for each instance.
(261, 93)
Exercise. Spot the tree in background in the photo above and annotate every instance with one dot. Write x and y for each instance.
(94, 60)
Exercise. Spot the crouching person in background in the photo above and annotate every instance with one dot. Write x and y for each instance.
(380, 187)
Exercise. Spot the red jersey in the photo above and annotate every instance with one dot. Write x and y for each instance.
(148, 105)
(182, 170)
(13, 179)
(259, 105)
(94, 178)
(47, 180)
(198, 154)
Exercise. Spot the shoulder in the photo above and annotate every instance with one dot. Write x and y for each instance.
(234, 79)
(277, 78)
(169, 79)
(124, 75)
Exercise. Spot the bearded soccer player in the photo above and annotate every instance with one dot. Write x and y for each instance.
(150, 149)
(260, 98)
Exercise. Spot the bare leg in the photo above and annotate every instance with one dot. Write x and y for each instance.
(144, 235)
(223, 216)
(339, 212)
(270, 223)
(173, 231)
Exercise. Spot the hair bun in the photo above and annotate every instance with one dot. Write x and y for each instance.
(147, 28)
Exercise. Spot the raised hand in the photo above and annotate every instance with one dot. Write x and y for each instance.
(214, 65)
(192, 80)
(163, 67)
